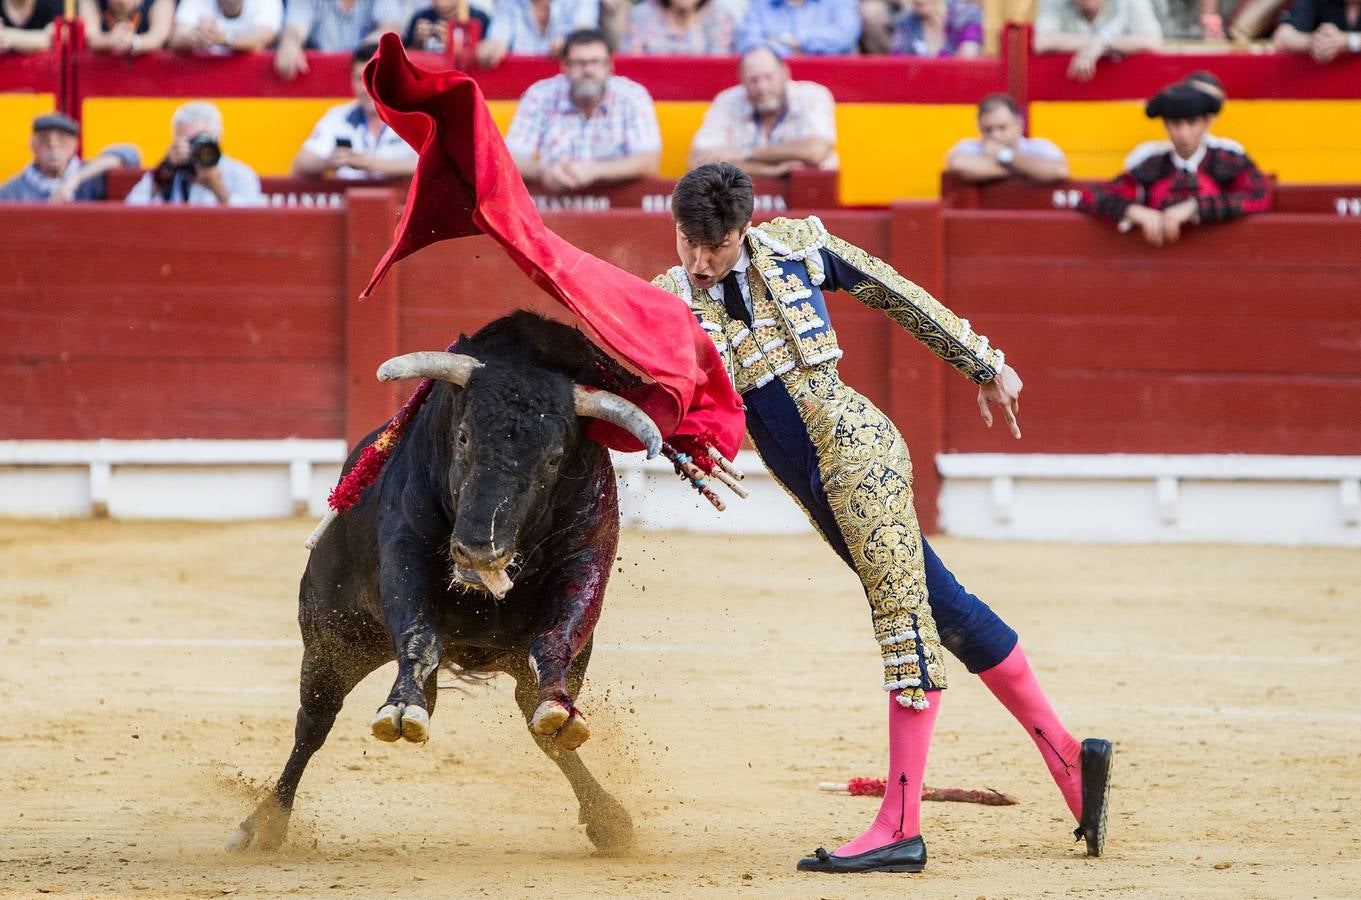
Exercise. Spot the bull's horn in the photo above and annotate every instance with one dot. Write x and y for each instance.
(616, 410)
(454, 368)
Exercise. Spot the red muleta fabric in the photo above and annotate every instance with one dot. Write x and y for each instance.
(466, 183)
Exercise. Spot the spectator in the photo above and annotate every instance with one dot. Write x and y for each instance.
(56, 173)
(1192, 20)
(876, 24)
(586, 125)
(26, 25)
(1193, 179)
(768, 125)
(351, 141)
(1321, 29)
(938, 28)
(1001, 150)
(679, 28)
(429, 28)
(223, 26)
(195, 171)
(127, 27)
(809, 27)
(1091, 29)
(332, 26)
(535, 27)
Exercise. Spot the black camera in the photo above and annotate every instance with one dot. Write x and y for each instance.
(204, 151)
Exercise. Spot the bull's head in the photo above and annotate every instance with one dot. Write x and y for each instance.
(507, 444)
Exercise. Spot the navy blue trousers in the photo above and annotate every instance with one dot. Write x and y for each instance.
(968, 628)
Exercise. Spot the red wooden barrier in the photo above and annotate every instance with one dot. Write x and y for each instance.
(1241, 338)
(1019, 194)
(172, 322)
(154, 323)
(805, 189)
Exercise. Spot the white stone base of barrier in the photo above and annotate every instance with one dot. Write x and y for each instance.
(1108, 498)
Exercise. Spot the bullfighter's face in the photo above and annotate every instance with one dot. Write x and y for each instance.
(708, 264)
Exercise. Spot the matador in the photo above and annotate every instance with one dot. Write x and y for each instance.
(757, 290)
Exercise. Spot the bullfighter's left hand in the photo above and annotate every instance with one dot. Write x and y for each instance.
(1005, 391)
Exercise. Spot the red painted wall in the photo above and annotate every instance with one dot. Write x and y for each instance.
(169, 323)
(1243, 338)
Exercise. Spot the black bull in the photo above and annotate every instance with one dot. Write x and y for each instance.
(493, 490)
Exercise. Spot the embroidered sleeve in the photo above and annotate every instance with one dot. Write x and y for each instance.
(1109, 201)
(874, 283)
(1245, 189)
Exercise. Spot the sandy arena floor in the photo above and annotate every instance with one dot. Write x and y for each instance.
(149, 679)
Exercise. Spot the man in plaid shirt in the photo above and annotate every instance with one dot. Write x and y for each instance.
(1194, 178)
(587, 125)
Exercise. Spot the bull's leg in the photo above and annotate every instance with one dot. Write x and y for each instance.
(406, 609)
(329, 673)
(608, 824)
(551, 654)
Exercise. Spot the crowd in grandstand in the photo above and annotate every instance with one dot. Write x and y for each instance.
(588, 127)
(1089, 30)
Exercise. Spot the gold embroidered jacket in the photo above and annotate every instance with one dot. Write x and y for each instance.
(792, 262)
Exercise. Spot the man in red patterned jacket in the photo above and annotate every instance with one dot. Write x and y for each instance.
(1193, 178)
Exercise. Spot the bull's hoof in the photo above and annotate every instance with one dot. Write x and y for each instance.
(549, 717)
(395, 721)
(265, 829)
(608, 824)
(555, 719)
(573, 734)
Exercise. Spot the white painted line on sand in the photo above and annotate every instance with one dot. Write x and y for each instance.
(160, 642)
(1259, 659)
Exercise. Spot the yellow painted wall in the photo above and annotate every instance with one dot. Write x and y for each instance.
(17, 112)
(1297, 140)
(888, 151)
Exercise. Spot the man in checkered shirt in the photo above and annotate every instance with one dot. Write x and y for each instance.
(587, 125)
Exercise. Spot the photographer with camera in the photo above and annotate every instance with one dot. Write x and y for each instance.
(194, 170)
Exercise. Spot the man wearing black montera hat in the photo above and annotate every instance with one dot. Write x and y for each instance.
(1192, 178)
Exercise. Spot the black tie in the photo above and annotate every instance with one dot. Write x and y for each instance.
(732, 299)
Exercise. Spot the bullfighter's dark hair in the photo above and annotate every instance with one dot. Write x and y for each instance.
(994, 101)
(711, 202)
(582, 37)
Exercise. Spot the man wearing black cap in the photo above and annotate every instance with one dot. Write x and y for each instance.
(57, 173)
(1192, 178)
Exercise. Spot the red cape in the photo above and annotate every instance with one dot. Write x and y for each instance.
(466, 183)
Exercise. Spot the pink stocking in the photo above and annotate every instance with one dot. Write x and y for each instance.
(1012, 682)
(909, 738)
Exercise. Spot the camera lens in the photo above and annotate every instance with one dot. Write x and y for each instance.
(204, 151)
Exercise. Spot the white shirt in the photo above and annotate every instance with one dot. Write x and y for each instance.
(254, 14)
(743, 262)
(243, 188)
(348, 121)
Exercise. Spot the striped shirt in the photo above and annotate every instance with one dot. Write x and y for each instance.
(549, 126)
(326, 26)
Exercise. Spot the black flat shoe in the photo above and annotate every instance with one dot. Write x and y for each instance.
(1097, 755)
(901, 856)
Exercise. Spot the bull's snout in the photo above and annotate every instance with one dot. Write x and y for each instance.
(478, 555)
